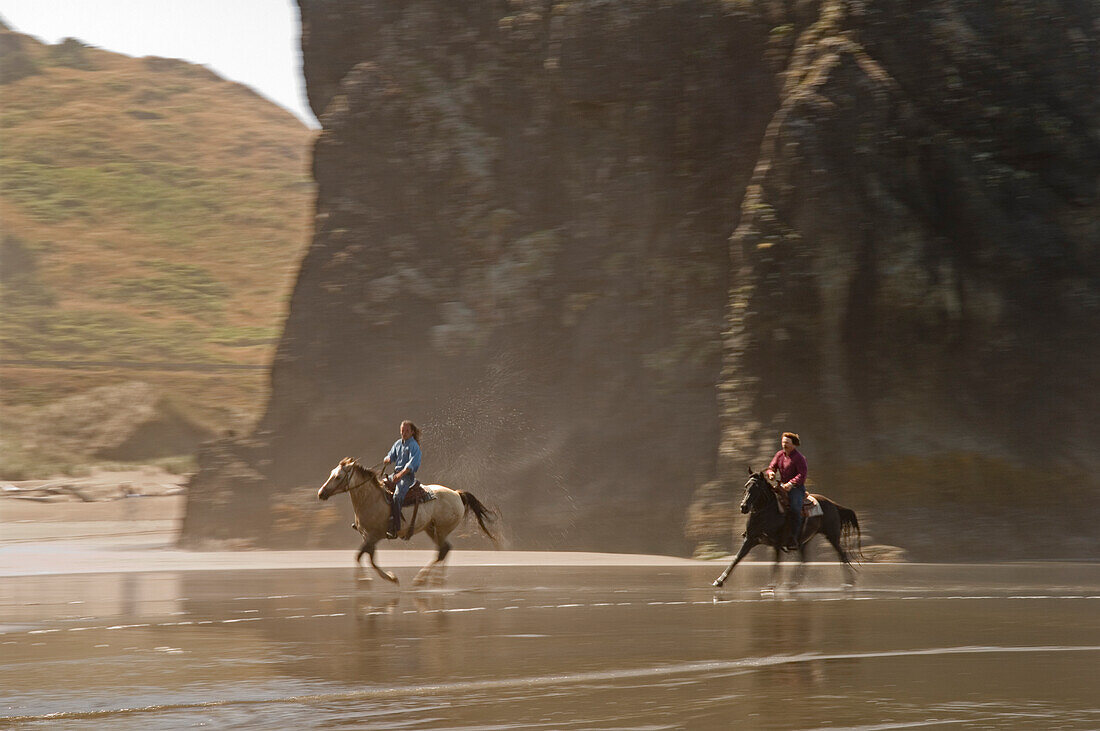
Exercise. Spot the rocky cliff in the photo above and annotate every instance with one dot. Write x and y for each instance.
(523, 243)
(915, 271)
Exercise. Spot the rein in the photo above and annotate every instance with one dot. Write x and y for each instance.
(770, 489)
(365, 478)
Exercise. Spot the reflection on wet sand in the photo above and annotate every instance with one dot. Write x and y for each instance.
(154, 595)
(576, 648)
(791, 628)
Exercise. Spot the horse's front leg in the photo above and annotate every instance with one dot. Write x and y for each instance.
(774, 581)
(360, 574)
(745, 548)
(801, 570)
(368, 548)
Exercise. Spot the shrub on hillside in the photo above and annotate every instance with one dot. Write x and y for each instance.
(15, 62)
(71, 53)
(20, 284)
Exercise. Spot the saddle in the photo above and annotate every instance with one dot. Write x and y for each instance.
(810, 506)
(416, 494)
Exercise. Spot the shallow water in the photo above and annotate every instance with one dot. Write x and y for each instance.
(1003, 646)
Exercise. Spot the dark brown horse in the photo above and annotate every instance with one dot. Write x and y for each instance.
(767, 521)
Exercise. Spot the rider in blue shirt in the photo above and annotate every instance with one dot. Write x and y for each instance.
(405, 457)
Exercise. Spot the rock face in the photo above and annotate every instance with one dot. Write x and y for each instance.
(916, 267)
(523, 243)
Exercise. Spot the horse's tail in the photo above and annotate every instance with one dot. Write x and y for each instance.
(848, 522)
(481, 512)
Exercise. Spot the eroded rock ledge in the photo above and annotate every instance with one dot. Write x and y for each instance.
(523, 242)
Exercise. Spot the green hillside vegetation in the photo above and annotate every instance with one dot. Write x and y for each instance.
(151, 212)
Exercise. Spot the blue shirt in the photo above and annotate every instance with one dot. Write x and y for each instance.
(405, 454)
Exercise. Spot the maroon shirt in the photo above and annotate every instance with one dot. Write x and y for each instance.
(791, 468)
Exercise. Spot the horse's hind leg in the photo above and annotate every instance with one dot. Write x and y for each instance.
(443, 548)
(833, 536)
(441, 566)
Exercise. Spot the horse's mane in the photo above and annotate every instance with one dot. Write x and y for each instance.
(762, 479)
(362, 471)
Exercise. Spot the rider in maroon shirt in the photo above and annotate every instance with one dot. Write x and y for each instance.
(792, 468)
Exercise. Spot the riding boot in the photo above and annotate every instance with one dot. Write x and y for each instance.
(395, 520)
(796, 534)
(785, 534)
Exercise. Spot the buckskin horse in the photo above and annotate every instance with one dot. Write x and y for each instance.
(767, 521)
(437, 518)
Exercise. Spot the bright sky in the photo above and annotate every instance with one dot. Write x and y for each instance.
(255, 42)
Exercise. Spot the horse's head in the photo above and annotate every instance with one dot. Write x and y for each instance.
(344, 476)
(756, 488)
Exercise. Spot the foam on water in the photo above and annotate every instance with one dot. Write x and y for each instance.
(717, 600)
(746, 665)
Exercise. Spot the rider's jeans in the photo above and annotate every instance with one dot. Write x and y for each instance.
(797, 496)
(401, 489)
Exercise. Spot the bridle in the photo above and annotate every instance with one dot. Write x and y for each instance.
(754, 484)
(346, 478)
(340, 480)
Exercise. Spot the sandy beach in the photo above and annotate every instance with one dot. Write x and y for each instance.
(129, 522)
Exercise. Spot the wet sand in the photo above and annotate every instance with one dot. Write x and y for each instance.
(104, 624)
(561, 647)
